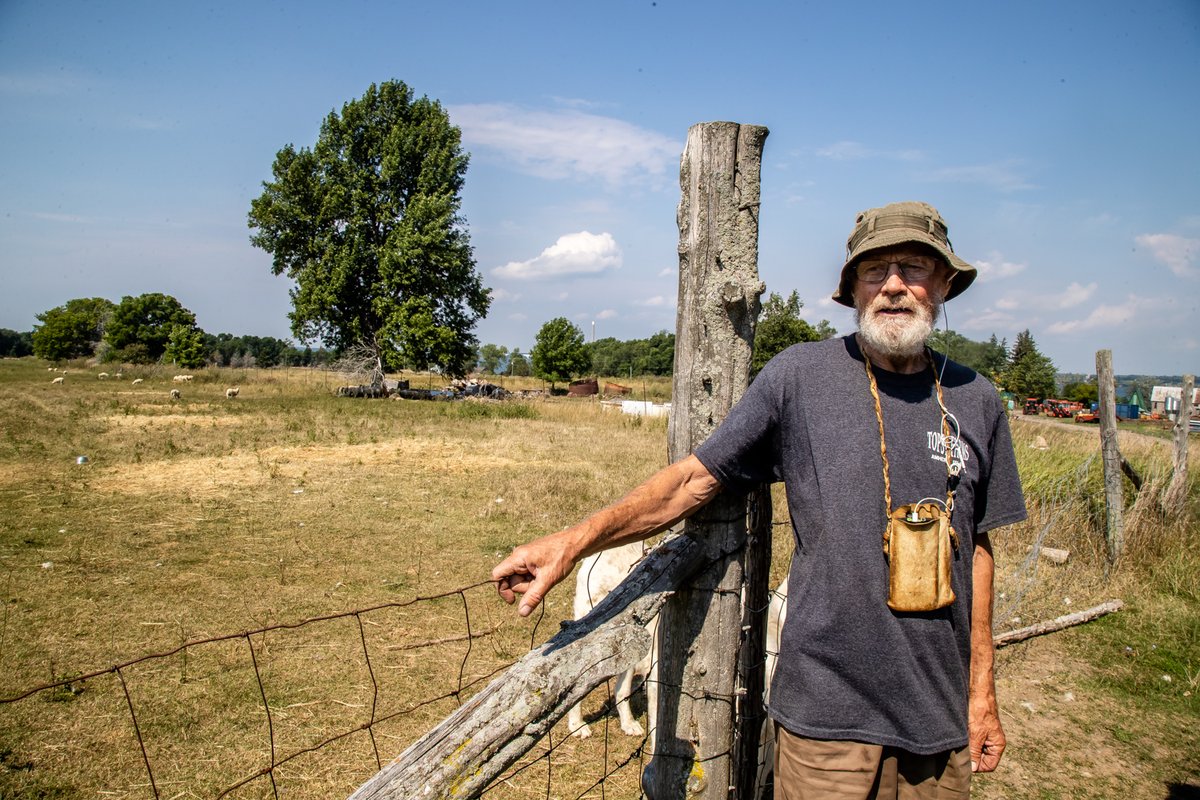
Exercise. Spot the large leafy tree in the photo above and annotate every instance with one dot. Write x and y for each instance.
(780, 326)
(559, 353)
(141, 327)
(72, 330)
(1029, 373)
(367, 224)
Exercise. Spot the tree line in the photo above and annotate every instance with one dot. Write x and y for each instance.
(148, 329)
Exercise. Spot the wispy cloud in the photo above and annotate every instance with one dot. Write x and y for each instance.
(505, 296)
(1105, 316)
(857, 151)
(657, 301)
(569, 143)
(607, 313)
(580, 253)
(1177, 252)
(1071, 296)
(1004, 176)
(995, 268)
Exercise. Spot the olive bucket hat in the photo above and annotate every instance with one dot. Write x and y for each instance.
(900, 223)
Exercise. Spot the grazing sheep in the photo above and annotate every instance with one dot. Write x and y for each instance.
(118, 376)
(136, 381)
(182, 378)
(59, 379)
(232, 392)
(175, 395)
(103, 376)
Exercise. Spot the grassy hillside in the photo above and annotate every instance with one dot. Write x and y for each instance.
(206, 517)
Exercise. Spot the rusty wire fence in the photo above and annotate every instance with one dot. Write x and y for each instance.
(299, 709)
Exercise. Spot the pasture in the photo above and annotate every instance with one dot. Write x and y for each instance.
(234, 519)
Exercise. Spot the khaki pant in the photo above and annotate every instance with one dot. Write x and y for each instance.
(816, 769)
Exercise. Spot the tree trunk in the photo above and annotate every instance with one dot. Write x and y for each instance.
(719, 292)
(1114, 495)
(1176, 494)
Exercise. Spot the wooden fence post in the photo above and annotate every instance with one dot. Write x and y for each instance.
(1176, 494)
(718, 307)
(1114, 495)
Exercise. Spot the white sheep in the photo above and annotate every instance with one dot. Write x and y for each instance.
(59, 379)
(232, 392)
(175, 395)
(182, 378)
(103, 376)
(136, 381)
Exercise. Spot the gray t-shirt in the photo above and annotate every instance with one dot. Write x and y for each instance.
(849, 667)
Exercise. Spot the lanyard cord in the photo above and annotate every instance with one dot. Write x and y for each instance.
(951, 473)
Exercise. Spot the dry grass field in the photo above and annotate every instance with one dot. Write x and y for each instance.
(207, 518)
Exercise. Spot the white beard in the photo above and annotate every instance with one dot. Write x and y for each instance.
(898, 337)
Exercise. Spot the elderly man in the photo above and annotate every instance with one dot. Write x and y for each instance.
(896, 463)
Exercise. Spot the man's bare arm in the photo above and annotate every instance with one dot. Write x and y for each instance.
(669, 495)
(983, 723)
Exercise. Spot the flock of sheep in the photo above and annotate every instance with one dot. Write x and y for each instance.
(230, 393)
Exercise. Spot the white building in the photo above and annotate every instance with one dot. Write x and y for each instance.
(1166, 400)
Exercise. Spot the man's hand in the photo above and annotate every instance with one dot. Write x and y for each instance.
(533, 569)
(666, 497)
(985, 734)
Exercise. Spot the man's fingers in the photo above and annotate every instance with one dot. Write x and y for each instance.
(986, 758)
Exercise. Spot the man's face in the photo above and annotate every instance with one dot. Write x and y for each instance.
(898, 293)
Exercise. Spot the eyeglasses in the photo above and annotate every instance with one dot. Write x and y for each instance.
(914, 270)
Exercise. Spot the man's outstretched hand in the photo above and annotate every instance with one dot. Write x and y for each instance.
(534, 569)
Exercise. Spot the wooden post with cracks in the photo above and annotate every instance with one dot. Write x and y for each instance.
(1114, 494)
(700, 630)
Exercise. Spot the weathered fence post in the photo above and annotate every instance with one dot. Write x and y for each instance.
(1114, 495)
(718, 307)
(1176, 494)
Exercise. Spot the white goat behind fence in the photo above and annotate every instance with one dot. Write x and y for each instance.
(596, 576)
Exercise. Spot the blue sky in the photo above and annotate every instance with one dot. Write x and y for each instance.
(1058, 139)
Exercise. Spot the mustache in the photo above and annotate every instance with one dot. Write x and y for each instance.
(897, 303)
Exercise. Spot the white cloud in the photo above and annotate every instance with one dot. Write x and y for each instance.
(1075, 294)
(569, 143)
(1103, 317)
(607, 313)
(665, 271)
(857, 151)
(655, 302)
(580, 253)
(1177, 252)
(505, 296)
(996, 268)
(1004, 176)
(1072, 295)
(518, 317)
(987, 320)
